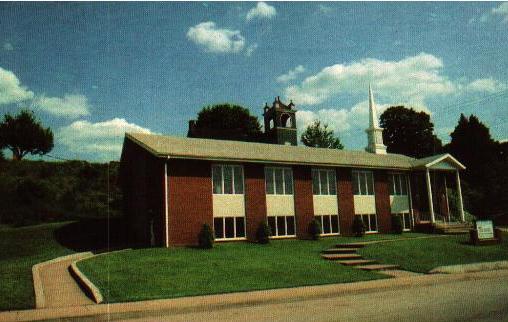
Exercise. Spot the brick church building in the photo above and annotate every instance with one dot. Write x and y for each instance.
(173, 185)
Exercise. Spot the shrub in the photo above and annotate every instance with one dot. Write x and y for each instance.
(264, 232)
(315, 229)
(397, 224)
(358, 226)
(206, 237)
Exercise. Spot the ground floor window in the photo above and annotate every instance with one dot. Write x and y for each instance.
(282, 225)
(329, 224)
(370, 222)
(229, 227)
(407, 220)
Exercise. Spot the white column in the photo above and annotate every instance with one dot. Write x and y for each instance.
(446, 195)
(166, 218)
(459, 192)
(429, 192)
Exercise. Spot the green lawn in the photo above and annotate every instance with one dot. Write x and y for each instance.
(20, 249)
(422, 255)
(153, 273)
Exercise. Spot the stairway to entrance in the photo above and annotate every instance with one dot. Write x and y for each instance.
(347, 254)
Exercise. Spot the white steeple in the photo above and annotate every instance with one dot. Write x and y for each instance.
(374, 132)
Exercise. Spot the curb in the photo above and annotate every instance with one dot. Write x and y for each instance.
(470, 268)
(85, 283)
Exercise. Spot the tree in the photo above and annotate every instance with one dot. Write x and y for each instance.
(23, 134)
(2, 157)
(226, 122)
(408, 132)
(318, 136)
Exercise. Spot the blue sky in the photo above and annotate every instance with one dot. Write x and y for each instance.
(92, 71)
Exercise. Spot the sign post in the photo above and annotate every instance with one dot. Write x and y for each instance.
(484, 233)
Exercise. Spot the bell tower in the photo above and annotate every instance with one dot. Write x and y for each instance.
(280, 123)
(374, 132)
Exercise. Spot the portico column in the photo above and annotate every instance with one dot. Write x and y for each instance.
(429, 192)
(459, 192)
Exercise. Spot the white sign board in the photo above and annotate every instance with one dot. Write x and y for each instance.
(485, 229)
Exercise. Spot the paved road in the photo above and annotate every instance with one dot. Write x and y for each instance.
(471, 300)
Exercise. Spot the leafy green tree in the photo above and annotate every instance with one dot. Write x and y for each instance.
(318, 136)
(23, 134)
(226, 122)
(2, 157)
(408, 132)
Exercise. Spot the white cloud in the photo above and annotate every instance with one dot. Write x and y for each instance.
(290, 75)
(410, 80)
(501, 11)
(7, 46)
(11, 90)
(489, 85)
(103, 139)
(250, 50)
(324, 9)
(261, 11)
(337, 119)
(70, 105)
(216, 40)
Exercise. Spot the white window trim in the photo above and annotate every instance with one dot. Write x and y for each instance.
(234, 229)
(365, 173)
(411, 220)
(222, 165)
(367, 225)
(330, 218)
(285, 227)
(318, 170)
(399, 177)
(283, 182)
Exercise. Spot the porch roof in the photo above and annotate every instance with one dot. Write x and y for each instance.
(439, 162)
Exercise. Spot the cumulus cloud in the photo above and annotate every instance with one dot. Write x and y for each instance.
(409, 80)
(261, 11)
(71, 105)
(250, 50)
(290, 75)
(7, 46)
(499, 11)
(11, 90)
(489, 85)
(216, 40)
(103, 139)
(337, 119)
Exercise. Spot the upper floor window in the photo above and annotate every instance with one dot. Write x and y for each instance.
(323, 182)
(279, 181)
(398, 184)
(227, 179)
(363, 183)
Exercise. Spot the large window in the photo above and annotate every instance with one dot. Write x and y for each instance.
(398, 184)
(370, 222)
(323, 182)
(407, 220)
(363, 183)
(279, 181)
(282, 225)
(229, 227)
(329, 224)
(227, 179)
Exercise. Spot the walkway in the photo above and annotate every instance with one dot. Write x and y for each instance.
(59, 288)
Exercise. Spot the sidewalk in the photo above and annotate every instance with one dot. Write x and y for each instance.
(222, 301)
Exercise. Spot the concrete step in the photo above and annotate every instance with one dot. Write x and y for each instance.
(351, 245)
(334, 257)
(340, 251)
(377, 267)
(356, 262)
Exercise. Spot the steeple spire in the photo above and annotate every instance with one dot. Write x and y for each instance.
(374, 132)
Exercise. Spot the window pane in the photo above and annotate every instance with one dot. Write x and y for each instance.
(332, 184)
(288, 181)
(269, 181)
(356, 191)
(397, 184)
(290, 220)
(390, 184)
(238, 180)
(240, 227)
(326, 225)
(324, 182)
(271, 223)
(403, 186)
(363, 189)
(217, 179)
(373, 223)
(228, 179)
(218, 227)
(365, 219)
(281, 226)
(370, 183)
(315, 182)
(335, 224)
(278, 182)
(230, 227)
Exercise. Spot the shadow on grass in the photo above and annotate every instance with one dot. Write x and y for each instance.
(96, 235)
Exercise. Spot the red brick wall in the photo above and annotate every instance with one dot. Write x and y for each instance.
(346, 202)
(190, 200)
(304, 207)
(255, 198)
(382, 194)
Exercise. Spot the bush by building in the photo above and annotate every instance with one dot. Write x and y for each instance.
(397, 227)
(206, 237)
(358, 226)
(264, 232)
(315, 229)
